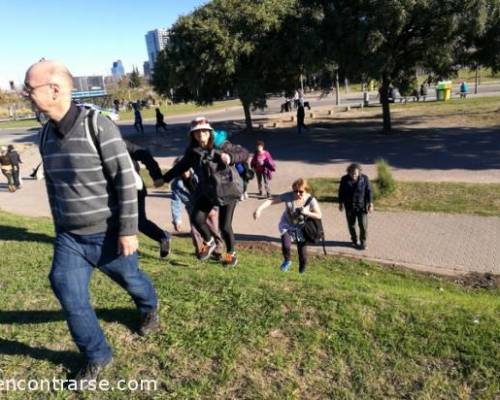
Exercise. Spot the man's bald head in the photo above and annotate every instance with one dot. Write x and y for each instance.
(48, 86)
(50, 71)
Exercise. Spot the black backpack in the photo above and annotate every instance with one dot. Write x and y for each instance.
(224, 185)
(313, 229)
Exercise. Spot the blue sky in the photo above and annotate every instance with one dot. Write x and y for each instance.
(87, 35)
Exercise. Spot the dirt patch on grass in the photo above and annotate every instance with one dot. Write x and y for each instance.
(478, 280)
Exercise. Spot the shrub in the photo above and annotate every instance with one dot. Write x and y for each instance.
(385, 183)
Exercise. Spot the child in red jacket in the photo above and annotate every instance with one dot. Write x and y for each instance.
(264, 166)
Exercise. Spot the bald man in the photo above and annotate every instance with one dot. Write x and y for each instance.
(93, 197)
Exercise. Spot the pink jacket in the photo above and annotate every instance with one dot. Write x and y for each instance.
(263, 163)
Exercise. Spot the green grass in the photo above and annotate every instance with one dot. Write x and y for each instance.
(344, 330)
(179, 109)
(446, 197)
(25, 123)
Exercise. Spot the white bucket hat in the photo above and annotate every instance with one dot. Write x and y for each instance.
(200, 123)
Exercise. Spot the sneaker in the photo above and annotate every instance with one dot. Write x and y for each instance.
(216, 256)
(268, 195)
(302, 270)
(90, 372)
(165, 246)
(362, 246)
(285, 266)
(150, 322)
(206, 250)
(230, 260)
(354, 243)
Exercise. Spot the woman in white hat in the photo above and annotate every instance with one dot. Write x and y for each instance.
(200, 156)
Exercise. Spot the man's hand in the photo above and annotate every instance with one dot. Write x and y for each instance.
(341, 207)
(158, 183)
(370, 207)
(225, 158)
(128, 245)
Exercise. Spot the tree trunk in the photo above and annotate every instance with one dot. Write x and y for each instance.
(248, 114)
(386, 111)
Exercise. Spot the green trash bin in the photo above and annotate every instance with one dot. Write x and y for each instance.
(440, 95)
(443, 91)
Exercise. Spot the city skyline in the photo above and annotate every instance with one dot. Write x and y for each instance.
(88, 37)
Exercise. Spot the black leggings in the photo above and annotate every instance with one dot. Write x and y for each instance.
(149, 228)
(201, 208)
(286, 247)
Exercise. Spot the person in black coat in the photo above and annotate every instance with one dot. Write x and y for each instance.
(301, 114)
(355, 196)
(199, 154)
(146, 226)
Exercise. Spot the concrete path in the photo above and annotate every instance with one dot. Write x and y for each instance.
(435, 242)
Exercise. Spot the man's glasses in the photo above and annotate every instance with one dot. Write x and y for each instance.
(28, 90)
(299, 191)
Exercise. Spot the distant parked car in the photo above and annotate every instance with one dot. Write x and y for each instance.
(107, 112)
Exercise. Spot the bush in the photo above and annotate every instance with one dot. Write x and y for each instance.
(385, 183)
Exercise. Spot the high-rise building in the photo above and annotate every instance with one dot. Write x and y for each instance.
(147, 69)
(156, 41)
(117, 70)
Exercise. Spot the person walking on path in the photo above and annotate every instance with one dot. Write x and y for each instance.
(355, 196)
(6, 167)
(93, 197)
(183, 189)
(138, 119)
(301, 115)
(299, 205)
(146, 226)
(264, 166)
(464, 90)
(160, 123)
(15, 160)
(204, 159)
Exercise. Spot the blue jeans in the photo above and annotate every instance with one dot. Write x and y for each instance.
(75, 257)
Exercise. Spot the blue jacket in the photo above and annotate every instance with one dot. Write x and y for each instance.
(181, 196)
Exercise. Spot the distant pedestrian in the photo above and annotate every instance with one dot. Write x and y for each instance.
(299, 206)
(15, 160)
(138, 119)
(355, 196)
(301, 115)
(423, 91)
(6, 167)
(464, 90)
(264, 166)
(160, 123)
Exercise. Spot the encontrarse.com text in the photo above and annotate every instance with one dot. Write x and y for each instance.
(54, 384)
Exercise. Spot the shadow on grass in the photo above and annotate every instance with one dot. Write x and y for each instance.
(70, 359)
(17, 234)
(129, 317)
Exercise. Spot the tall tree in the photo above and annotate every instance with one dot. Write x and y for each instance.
(488, 42)
(135, 79)
(387, 39)
(223, 46)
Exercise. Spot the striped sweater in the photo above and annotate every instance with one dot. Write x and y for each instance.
(88, 195)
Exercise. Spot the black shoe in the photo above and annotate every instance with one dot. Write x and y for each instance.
(150, 322)
(230, 260)
(362, 246)
(302, 270)
(90, 372)
(216, 256)
(268, 195)
(354, 243)
(165, 247)
(206, 250)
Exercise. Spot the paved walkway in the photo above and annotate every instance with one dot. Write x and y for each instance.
(435, 242)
